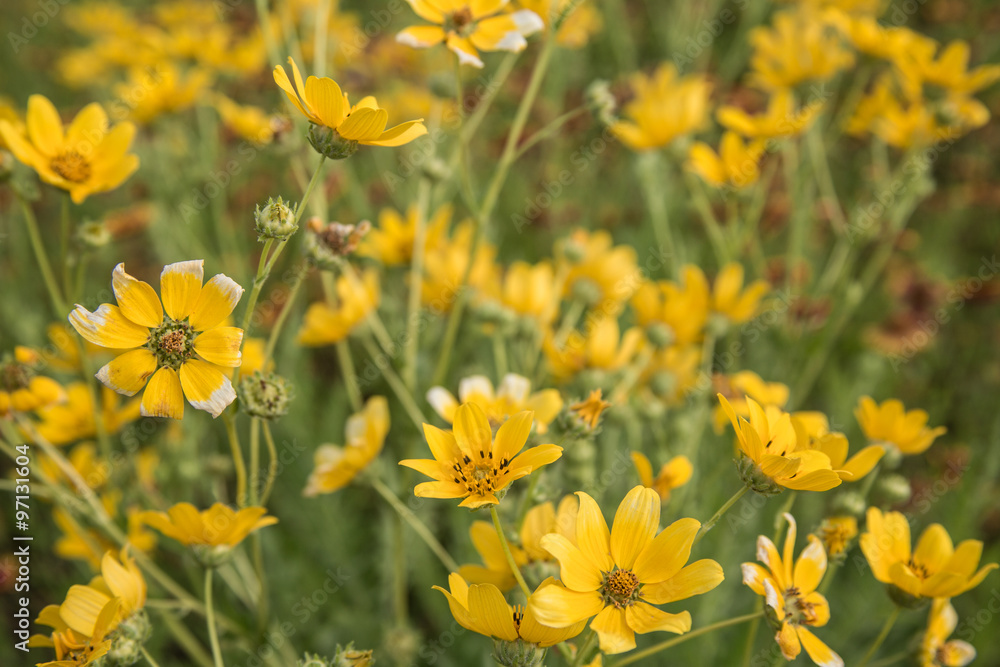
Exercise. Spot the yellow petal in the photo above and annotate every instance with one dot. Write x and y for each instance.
(180, 287)
(644, 468)
(699, 577)
(215, 303)
(472, 431)
(463, 48)
(512, 435)
(488, 607)
(281, 78)
(810, 567)
(401, 134)
(163, 396)
(635, 524)
(428, 10)
(862, 463)
(363, 125)
(326, 99)
(536, 457)
(613, 631)
(127, 373)
(558, 607)
(44, 126)
(934, 548)
(442, 444)
(108, 327)
(220, 345)
(82, 607)
(592, 534)
(421, 37)
(206, 387)
(819, 653)
(645, 618)
(136, 299)
(575, 571)
(668, 551)
(89, 125)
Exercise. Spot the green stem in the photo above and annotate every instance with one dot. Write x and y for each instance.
(65, 234)
(186, 639)
(708, 525)
(264, 19)
(507, 552)
(796, 235)
(416, 285)
(752, 635)
(704, 208)
(213, 635)
(652, 180)
(149, 658)
(238, 462)
(549, 130)
(500, 355)
(279, 323)
(891, 660)
(414, 522)
(43, 261)
(350, 376)
(656, 648)
(883, 633)
(397, 386)
(272, 463)
(831, 572)
(584, 650)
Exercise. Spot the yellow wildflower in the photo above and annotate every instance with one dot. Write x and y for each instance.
(731, 300)
(735, 165)
(666, 106)
(890, 424)
(472, 464)
(578, 20)
(781, 119)
(75, 419)
(218, 526)
(120, 580)
(618, 575)
(672, 372)
(445, 267)
(837, 533)
(935, 648)
(184, 352)
(87, 158)
(469, 26)
(165, 90)
(391, 241)
(603, 347)
(529, 291)
(813, 429)
(948, 70)
(742, 385)
(73, 649)
(250, 122)
(679, 311)
(11, 116)
(789, 587)
(21, 389)
(590, 410)
(324, 324)
(799, 46)
(364, 436)
(513, 396)
(601, 275)
(675, 473)
(890, 43)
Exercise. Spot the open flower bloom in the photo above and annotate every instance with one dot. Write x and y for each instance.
(483, 609)
(324, 324)
(598, 273)
(837, 533)
(735, 165)
(789, 587)
(680, 310)
(391, 241)
(72, 648)
(769, 441)
(445, 266)
(88, 157)
(469, 26)
(21, 390)
(890, 424)
(529, 291)
(799, 46)
(813, 429)
(740, 386)
(323, 103)
(217, 526)
(578, 20)
(589, 411)
(935, 649)
(76, 418)
(250, 122)
(781, 119)
(470, 463)
(934, 569)
(666, 106)
(948, 70)
(120, 580)
(364, 435)
(675, 473)
(513, 396)
(181, 347)
(731, 300)
(602, 347)
(619, 575)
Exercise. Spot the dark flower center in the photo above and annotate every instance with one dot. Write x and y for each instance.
(620, 588)
(72, 166)
(172, 343)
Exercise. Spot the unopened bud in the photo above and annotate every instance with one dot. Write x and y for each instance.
(517, 653)
(893, 488)
(265, 396)
(93, 235)
(601, 101)
(275, 220)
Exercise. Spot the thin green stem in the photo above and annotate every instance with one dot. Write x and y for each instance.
(397, 386)
(279, 323)
(43, 261)
(253, 487)
(708, 525)
(584, 650)
(653, 180)
(320, 32)
(662, 646)
(796, 235)
(65, 237)
(272, 463)
(238, 462)
(892, 659)
(549, 129)
(500, 355)
(149, 658)
(414, 522)
(883, 633)
(507, 552)
(264, 19)
(752, 635)
(186, 639)
(350, 376)
(416, 285)
(704, 208)
(213, 634)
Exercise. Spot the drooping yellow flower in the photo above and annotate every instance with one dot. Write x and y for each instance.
(575, 28)
(935, 648)
(602, 347)
(21, 389)
(73, 649)
(799, 46)
(781, 119)
(666, 106)
(323, 103)
(742, 385)
(364, 436)
(772, 456)
(483, 609)
(735, 165)
(78, 542)
(789, 587)
(469, 26)
(75, 419)
(445, 267)
(473, 464)
(513, 396)
(598, 273)
(120, 580)
(675, 473)
(618, 575)
(86, 158)
(324, 324)
(391, 241)
(672, 312)
(813, 429)
(934, 569)
(181, 347)
(166, 90)
(836, 532)
(731, 300)
(250, 122)
(890, 424)
(218, 526)
(589, 411)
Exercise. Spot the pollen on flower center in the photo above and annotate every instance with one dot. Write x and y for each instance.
(172, 343)
(620, 588)
(460, 19)
(481, 478)
(14, 376)
(918, 570)
(797, 610)
(72, 166)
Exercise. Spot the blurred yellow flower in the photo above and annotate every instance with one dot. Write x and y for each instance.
(218, 526)
(799, 46)
(253, 357)
(87, 158)
(184, 352)
(789, 587)
(326, 324)
(445, 267)
(165, 90)
(948, 70)
(472, 464)
(513, 396)
(671, 312)
(529, 291)
(666, 106)
(742, 385)
(781, 119)
(935, 648)
(590, 410)
(250, 122)
(469, 26)
(600, 274)
(618, 575)
(21, 389)
(364, 435)
(75, 419)
(934, 569)
(735, 165)
(10, 115)
(731, 300)
(578, 20)
(836, 532)
(672, 372)
(890, 43)
(675, 473)
(391, 241)
(73, 649)
(890, 424)
(602, 347)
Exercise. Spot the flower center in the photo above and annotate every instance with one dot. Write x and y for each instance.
(172, 343)
(920, 571)
(620, 588)
(797, 610)
(459, 21)
(72, 166)
(14, 376)
(480, 478)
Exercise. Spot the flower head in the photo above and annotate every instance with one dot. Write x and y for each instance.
(618, 575)
(218, 527)
(76, 419)
(935, 648)
(934, 569)
(675, 473)
(800, 46)
(513, 396)
(836, 532)
(813, 429)
(734, 301)
(735, 164)
(21, 389)
(742, 385)
(789, 586)
(666, 106)
(602, 347)
(391, 241)
(86, 158)
(890, 424)
(324, 324)
(599, 273)
(181, 348)
(674, 312)
(473, 464)
(590, 410)
(781, 119)
(364, 435)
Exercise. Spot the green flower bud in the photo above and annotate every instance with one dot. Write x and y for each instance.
(265, 396)
(93, 235)
(210, 556)
(661, 335)
(893, 488)
(328, 142)
(755, 479)
(851, 503)
(601, 101)
(586, 291)
(128, 639)
(904, 599)
(517, 653)
(276, 220)
(311, 660)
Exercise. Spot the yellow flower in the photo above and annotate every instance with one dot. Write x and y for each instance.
(731, 300)
(323, 103)
(472, 464)
(619, 575)
(949, 70)
(184, 352)
(250, 122)
(601, 275)
(21, 390)
(391, 242)
(781, 119)
(73, 649)
(934, 569)
(9, 114)
(324, 324)
(735, 165)
(576, 27)
(813, 429)
(671, 374)
(513, 396)
(800, 46)
(165, 90)
(935, 649)
(589, 411)
(789, 587)
(890, 424)
(75, 419)
(742, 385)
(769, 442)
(445, 266)
(837, 533)
(80, 543)
(121, 581)
(680, 311)
(602, 347)
(666, 106)
(364, 435)
(87, 158)
(529, 291)
(868, 36)
(469, 26)
(483, 609)
(675, 473)
(218, 526)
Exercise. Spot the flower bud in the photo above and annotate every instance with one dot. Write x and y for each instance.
(326, 244)
(850, 503)
(128, 639)
(328, 142)
(93, 235)
(517, 653)
(211, 556)
(265, 396)
(586, 291)
(893, 489)
(601, 101)
(755, 479)
(660, 334)
(276, 220)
